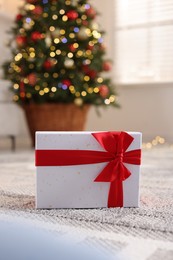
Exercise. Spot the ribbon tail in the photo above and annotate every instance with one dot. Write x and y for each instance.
(115, 197)
(108, 174)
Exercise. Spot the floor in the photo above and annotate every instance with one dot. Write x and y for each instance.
(142, 233)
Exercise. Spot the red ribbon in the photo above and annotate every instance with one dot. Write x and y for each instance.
(115, 145)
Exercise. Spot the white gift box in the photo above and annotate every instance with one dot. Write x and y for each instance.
(73, 186)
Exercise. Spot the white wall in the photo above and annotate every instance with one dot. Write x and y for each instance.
(145, 108)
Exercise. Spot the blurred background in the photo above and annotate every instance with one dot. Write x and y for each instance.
(139, 40)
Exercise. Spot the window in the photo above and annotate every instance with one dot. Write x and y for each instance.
(144, 41)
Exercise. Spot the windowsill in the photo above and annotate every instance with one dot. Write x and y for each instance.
(142, 85)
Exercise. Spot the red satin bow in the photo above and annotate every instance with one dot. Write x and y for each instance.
(115, 172)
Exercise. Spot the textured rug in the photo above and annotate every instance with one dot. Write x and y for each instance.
(141, 233)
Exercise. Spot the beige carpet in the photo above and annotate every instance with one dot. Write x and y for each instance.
(142, 233)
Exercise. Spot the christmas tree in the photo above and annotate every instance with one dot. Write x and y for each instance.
(59, 55)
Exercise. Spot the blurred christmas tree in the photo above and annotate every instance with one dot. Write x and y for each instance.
(59, 55)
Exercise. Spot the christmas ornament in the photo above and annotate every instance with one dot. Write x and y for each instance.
(94, 26)
(85, 68)
(48, 40)
(21, 40)
(78, 101)
(82, 34)
(68, 63)
(56, 33)
(107, 66)
(38, 10)
(32, 79)
(72, 15)
(103, 91)
(74, 2)
(91, 12)
(48, 64)
(28, 26)
(36, 36)
(85, 23)
(19, 17)
(92, 74)
(72, 47)
(66, 82)
(90, 47)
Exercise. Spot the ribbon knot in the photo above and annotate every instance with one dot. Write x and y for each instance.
(119, 157)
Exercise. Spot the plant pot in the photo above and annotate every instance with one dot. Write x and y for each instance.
(55, 117)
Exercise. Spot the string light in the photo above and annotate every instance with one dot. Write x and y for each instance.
(26, 81)
(28, 95)
(112, 98)
(158, 140)
(96, 90)
(88, 52)
(76, 45)
(53, 89)
(64, 18)
(79, 53)
(22, 30)
(18, 57)
(67, 2)
(78, 101)
(107, 101)
(72, 89)
(70, 55)
(62, 11)
(100, 80)
(46, 90)
(77, 94)
(55, 75)
(78, 20)
(52, 48)
(56, 40)
(15, 98)
(46, 75)
(58, 52)
(53, 8)
(52, 28)
(31, 66)
(72, 35)
(52, 54)
(37, 87)
(25, 55)
(86, 78)
(45, 15)
(54, 17)
(83, 93)
(32, 54)
(90, 90)
(41, 92)
(84, 17)
(16, 86)
(31, 7)
(62, 31)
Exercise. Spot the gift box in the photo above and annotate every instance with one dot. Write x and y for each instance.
(87, 169)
